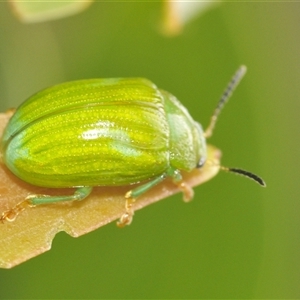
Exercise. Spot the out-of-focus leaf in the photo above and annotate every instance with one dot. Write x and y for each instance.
(34, 229)
(175, 13)
(178, 13)
(39, 10)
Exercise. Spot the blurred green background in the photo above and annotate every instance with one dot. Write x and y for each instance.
(235, 240)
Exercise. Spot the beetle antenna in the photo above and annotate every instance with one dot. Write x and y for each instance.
(224, 98)
(244, 173)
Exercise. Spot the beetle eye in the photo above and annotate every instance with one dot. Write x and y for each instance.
(201, 163)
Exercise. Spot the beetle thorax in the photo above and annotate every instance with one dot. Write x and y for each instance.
(187, 141)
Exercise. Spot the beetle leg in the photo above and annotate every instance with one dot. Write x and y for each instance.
(188, 192)
(78, 195)
(131, 197)
(126, 218)
(34, 199)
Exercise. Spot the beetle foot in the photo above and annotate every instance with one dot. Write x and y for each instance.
(126, 218)
(11, 111)
(11, 214)
(188, 192)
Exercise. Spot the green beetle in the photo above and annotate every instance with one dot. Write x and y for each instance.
(105, 132)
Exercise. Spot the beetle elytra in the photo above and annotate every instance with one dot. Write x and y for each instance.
(106, 132)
